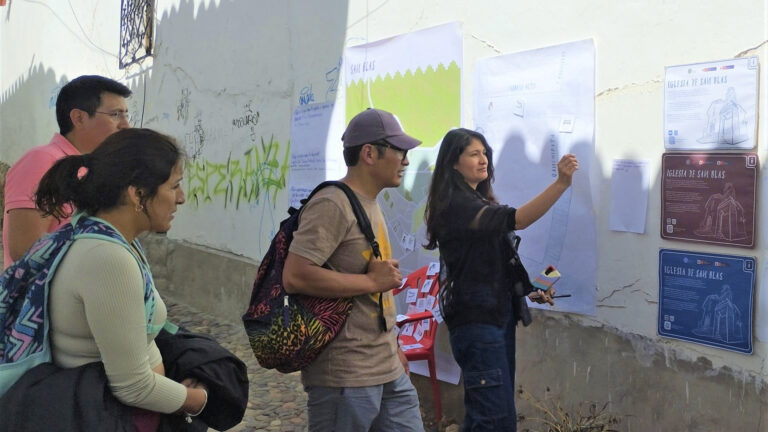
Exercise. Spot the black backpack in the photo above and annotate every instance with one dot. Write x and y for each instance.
(288, 331)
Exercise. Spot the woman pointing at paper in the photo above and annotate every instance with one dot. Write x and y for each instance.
(482, 283)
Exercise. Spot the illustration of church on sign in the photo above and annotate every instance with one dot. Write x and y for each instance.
(723, 216)
(720, 318)
(726, 121)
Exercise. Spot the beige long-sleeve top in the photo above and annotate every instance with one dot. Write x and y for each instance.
(96, 306)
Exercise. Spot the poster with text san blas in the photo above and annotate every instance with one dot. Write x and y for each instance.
(709, 197)
(710, 106)
(707, 298)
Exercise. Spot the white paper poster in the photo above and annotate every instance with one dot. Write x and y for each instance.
(533, 107)
(630, 181)
(310, 162)
(711, 105)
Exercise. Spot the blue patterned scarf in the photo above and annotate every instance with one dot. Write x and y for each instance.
(24, 288)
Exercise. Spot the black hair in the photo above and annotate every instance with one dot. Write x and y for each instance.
(446, 180)
(352, 154)
(93, 182)
(84, 93)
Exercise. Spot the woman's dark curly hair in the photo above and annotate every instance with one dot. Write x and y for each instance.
(93, 182)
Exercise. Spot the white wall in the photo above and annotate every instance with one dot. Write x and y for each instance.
(634, 41)
(43, 45)
(224, 80)
(213, 60)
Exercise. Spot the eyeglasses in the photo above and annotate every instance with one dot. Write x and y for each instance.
(117, 115)
(400, 152)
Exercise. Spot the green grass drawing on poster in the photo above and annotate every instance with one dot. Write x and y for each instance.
(428, 103)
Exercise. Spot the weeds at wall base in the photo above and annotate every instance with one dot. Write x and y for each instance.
(549, 415)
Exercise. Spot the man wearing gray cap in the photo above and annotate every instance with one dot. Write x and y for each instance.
(360, 380)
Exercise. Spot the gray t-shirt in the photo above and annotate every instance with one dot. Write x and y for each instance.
(361, 355)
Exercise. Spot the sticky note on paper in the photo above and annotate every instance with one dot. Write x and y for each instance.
(566, 123)
(420, 305)
(427, 286)
(433, 269)
(407, 329)
(408, 242)
(412, 346)
(437, 314)
(425, 324)
(411, 294)
(430, 302)
(418, 333)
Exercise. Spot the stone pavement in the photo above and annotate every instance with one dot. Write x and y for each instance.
(277, 401)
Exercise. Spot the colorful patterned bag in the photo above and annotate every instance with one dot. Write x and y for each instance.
(288, 331)
(24, 320)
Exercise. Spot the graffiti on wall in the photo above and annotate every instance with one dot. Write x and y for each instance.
(259, 173)
(182, 109)
(306, 96)
(332, 78)
(195, 141)
(250, 118)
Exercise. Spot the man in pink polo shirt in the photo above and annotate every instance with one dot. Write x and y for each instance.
(88, 109)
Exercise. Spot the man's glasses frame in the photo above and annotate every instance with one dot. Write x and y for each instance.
(116, 115)
(384, 143)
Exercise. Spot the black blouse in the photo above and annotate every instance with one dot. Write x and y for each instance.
(477, 278)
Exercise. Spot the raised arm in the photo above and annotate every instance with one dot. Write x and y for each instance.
(531, 211)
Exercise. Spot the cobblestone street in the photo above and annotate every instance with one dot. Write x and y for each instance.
(277, 401)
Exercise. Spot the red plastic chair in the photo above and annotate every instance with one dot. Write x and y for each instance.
(417, 322)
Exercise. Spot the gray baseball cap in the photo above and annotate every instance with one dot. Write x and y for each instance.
(374, 125)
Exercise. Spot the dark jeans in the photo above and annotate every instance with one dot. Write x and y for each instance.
(486, 354)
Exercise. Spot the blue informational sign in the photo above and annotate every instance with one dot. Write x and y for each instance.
(707, 298)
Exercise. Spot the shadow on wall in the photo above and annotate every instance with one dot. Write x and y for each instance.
(28, 112)
(27, 118)
(224, 81)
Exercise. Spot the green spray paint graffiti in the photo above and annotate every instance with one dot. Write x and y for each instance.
(261, 172)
